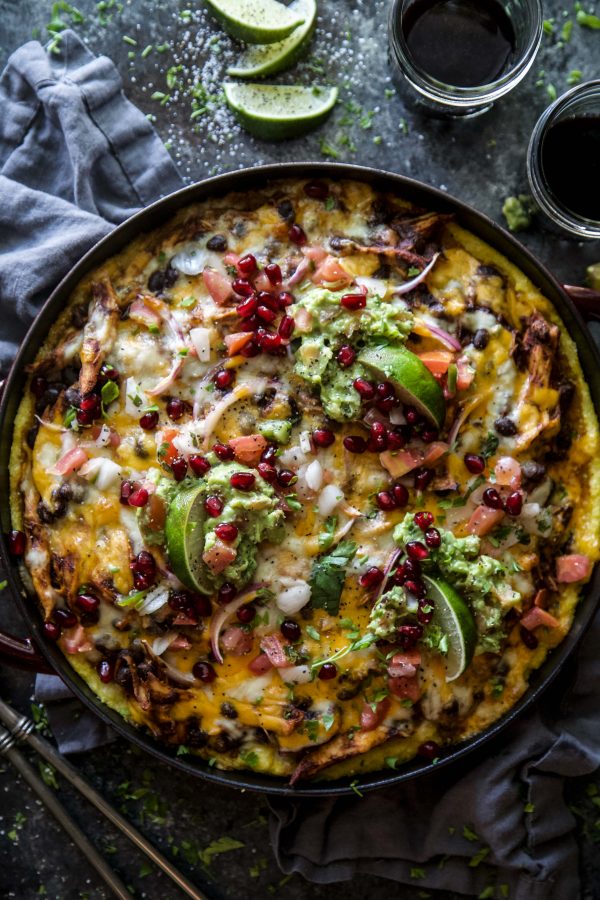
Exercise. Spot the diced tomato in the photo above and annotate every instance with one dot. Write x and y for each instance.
(218, 285)
(434, 452)
(404, 665)
(71, 461)
(541, 598)
(331, 271)
(273, 647)
(142, 314)
(465, 376)
(219, 556)
(303, 320)
(536, 617)
(231, 258)
(401, 462)
(317, 254)
(237, 341)
(573, 567)
(236, 641)
(405, 688)
(370, 718)
(484, 520)
(184, 619)
(508, 472)
(180, 643)
(75, 640)
(169, 452)
(260, 664)
(437, 361)
(248, 448)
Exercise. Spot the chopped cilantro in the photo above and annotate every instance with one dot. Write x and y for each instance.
(3, 584)
(328, 576)
(70, 417)
(354, 785)
(490, 445)
(588, 20)
(327, 719)
(145, 869)
(479, 857)
(222, 845)
(574, 77)
(469, 834)
(109, 393)
(417, 872)
(48, 773)
(129, 40)
(565, 34)
(249, 757)
(529, 808)
(312, 632)
(187, 302)
(326, 536)
(548, 26)
(487, 892)
(391, 761)
(293, 502)
(330, 204)
(182, 750)
(328, 150)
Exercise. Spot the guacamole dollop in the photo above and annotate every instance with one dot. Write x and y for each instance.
(388, 614)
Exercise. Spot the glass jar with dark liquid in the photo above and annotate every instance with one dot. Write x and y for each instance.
(462, 55)
(563, 161)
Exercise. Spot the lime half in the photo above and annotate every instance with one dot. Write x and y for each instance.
(255, 21)
(268, 59)
(185, 538)
(456, 621)
(276, 112)
(412, 379)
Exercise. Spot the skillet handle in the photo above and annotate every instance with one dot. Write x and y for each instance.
(21, 653)
(586, 300)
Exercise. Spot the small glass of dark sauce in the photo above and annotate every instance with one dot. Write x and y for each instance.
(563, 161)
(462, 55)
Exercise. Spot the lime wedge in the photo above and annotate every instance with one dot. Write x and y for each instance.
(268, 59)
(276, 112)
(185, 538)
(412, 379)
(456, 621)
(255, 21)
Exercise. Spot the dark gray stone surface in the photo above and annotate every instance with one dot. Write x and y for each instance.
(480, 161)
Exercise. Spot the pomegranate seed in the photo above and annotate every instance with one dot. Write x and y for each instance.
(181, 601)
(291, 630)
(243, 481)
(364, 388)
(247, 264)
(273, 273)
(84, 417)
(107, 373)
(528, 638)
(396, 440)
(226, 532)
(87, 603)
(429, 435)
(269, 454)
(417, 550)
(286, 327)
(202, 605)
(323, 437)
(127, 488)
(223, 451)
(286, 299)
(411, 415)
(378, 429)
(266, 314)
(179, 469)
(142, 582)
(17, 543)
(246, 613)
(492, 498)
(106, 671)
(213, 506)
(423, 478)
(91, 403)
(354, 443)
(414, 586)
(424, 618)
(400, 493)
(412, 568)
(353, 301)
(377, 438)
(247, 308)
(138, 498)
(250, 349)
(65, 618)
(267, 472)
(242, 287)
(38, 386)
(433, 538)
(385, 501)
(272, 343)
(226, 593)
(51, 631)
(423, 520)
(297, 235)
(514, 503)
(268, 300)
(317, 190)
(400, 574)
(328, 671)
(223, 379)
(474, 463)
(175, 408)
(408, 635)
(346, 356)
(203, 671)
(199, 464)
(144, 564)
(372, 578)
(149, 421)
(286, 477)
(429, 750)
(385, 404)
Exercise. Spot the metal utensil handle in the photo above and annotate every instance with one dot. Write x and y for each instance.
(51, 802)
(21, 653)
(22, 728)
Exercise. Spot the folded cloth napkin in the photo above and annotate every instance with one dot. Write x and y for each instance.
(76, 158)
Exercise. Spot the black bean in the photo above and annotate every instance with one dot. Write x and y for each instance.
(79, 315)
(505, 426)
(229, 710)
(45, 514)
(156, 282)
(217, 243)
(488, 272)
(566, 395)
(31, 435)
(533, 472)
(286, 210)
(73, 396)
(171, 276)
(481, 339)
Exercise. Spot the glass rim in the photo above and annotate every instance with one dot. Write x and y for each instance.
(570, 221)
(454, 95)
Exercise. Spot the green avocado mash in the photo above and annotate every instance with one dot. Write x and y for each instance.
(478, 578)
(381, 321)
(519, 212)
(388, 614)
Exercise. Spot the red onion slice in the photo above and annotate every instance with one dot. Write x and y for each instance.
(414, 282)
(448, 340)
(393, 558)
(460, 420)
(224, 615)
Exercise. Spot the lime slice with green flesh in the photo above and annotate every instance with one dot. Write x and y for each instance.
(456, 620)
(268, 59)
(412, 379)
(185, 538)
(276, 112)
(255, 21)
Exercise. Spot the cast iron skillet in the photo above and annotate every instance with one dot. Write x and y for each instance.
(49, 658)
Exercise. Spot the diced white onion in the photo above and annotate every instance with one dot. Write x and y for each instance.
(329, 498)
(162, 643)
(103, 472)
(397, 417)
(530, 510)
(314, 475)
(67, 442)
(293, 598)
(296, 674)
(305, 444)
(135, 398)
(103, 438)
(190, 261)
(201, 340)
(293, 457)
(153, 601)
